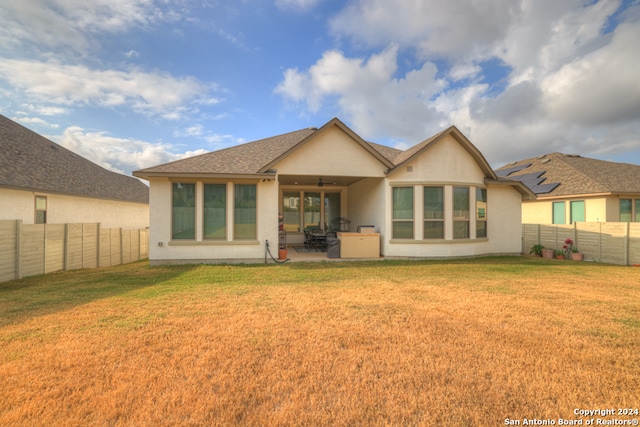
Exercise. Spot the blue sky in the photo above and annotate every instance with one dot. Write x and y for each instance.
(134, 83)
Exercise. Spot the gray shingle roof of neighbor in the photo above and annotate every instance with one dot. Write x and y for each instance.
(31, 162)
(574, 175)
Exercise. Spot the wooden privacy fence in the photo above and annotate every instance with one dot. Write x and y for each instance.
(27, 250)
(608, 242)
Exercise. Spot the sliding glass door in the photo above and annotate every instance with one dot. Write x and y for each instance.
(306, 210)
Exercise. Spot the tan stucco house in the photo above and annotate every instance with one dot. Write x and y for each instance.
(571, 188)
(439, 198)
(42, 182)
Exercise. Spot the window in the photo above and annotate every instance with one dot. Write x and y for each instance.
(433, 213)
(402, 213)
(319, 209)
(559, 213)
(183, 211)
(41, 210)
(244, 217)
(215, 211)
(461, 213)
(629, 210)
(481, 212)
(311, 217)
(626, 207)
(291, 211)
(577, 211)
(332, 211)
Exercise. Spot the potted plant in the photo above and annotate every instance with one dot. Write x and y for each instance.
(282, 238)
(547, 253)
(571, 251)
(559, 254)
(576, 255)
(536, 250)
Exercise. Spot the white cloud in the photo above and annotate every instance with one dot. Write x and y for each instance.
(119, 154)
(367, 92)
(438, 28)
(35, 120)
(214, 141)
(571, 87)
(50, 111)
(70, 23)
(190, 131)
(601, 87)
(300, 5)
(548, 34)
(69, 85)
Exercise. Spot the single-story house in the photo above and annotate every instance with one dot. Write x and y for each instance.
(571, 188)
(43, 182)
(440, 198)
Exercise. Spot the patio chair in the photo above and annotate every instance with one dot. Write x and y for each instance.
(308, 239)
(318, 238)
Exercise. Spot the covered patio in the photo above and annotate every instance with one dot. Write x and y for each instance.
(320, 204)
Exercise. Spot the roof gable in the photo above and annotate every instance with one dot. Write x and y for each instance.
(32, 162)
(259, 157)
(458, 136)
(335, 122)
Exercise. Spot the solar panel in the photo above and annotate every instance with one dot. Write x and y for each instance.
(544, 188)
(530, 179)
(506, 172)
(528, 176)
(519, 168)
(533, 182)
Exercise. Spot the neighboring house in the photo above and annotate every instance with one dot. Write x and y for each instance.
(43, 182)
(439, 198)
(571, 188)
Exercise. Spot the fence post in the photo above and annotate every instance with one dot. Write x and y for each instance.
(599, 242)
(18, 249)
(98, 244)
(44, 249)
(626, 244)
(121, 247)
(65, 244)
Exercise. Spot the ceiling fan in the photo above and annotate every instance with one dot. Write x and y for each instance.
(321, 183)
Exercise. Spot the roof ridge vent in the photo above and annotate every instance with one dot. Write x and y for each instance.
(313, 128)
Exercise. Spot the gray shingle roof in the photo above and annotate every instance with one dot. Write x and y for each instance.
(579, 175)
(32, 162)
(253, 157)
(246, 158)
(390, 153)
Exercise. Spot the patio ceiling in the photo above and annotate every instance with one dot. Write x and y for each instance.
(312, 180)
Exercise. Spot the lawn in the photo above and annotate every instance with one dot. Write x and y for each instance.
(462, 343)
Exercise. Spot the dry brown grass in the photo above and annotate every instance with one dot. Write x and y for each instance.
(384, 343)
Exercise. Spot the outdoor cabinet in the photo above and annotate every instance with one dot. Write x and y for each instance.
(359, 245)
